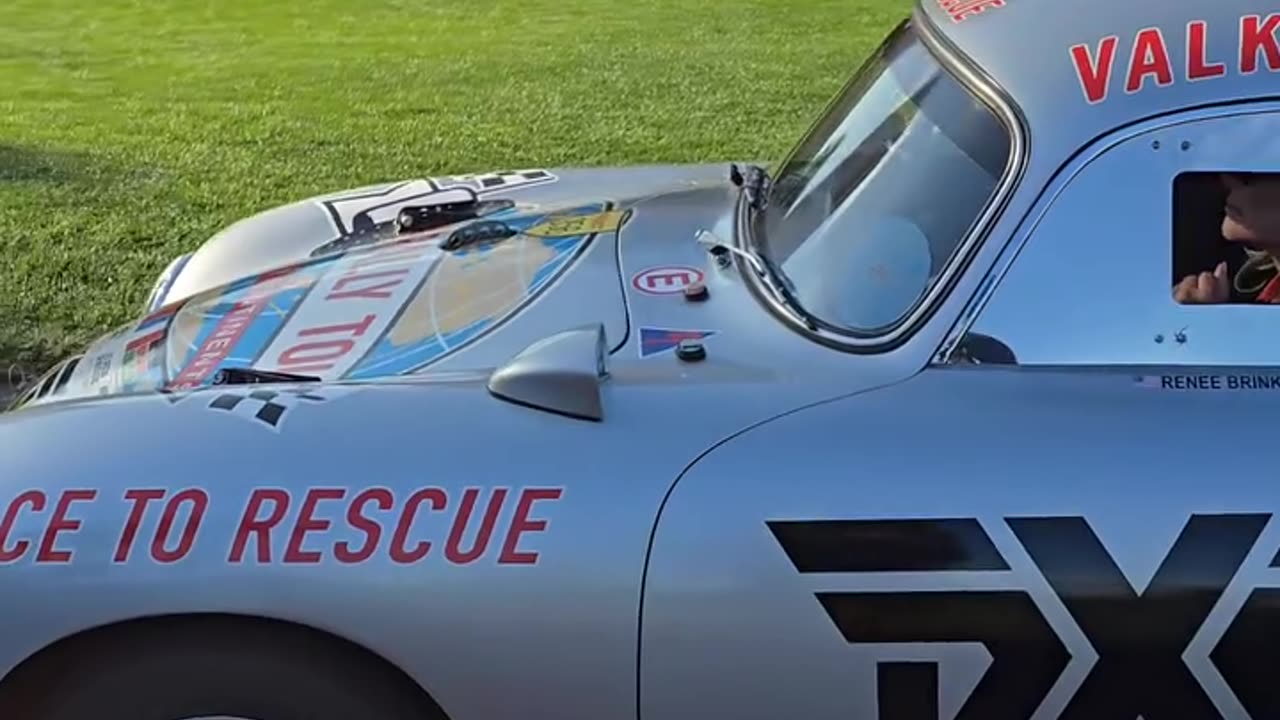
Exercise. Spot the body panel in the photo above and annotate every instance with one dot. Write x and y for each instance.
(518, 563)
(438, 620)
(732, 626)
(1084, 219)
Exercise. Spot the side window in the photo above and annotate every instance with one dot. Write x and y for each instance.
(1157, 252)
(1226, 238)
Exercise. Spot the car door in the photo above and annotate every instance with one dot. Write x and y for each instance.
(1083, 528)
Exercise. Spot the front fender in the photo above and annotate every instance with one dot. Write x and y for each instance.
(492, 551)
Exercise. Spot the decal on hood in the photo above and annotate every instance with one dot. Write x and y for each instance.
(265, 407)
(666, 279)
(961, 10)
(379, 310)
(655, 341)
(383, 204)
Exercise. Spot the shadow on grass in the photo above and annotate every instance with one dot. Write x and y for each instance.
(26, 352)
(21, 164)
(15, 378)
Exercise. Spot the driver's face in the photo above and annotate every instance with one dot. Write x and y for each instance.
(1253, 211)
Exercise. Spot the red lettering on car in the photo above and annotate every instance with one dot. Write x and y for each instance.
(377, 291)
(250, 523)
(1198, 65)
(199, 502)
(307, 522)
(354, 329)
(521, 524)
(323, 354)
(356, 518)
(965, 10)
(59, 523)
(1258, 36)
(961, 10)
(1095, 74)
(453, 548)
(140, 499)
(1150, 58)
(226, 334)
(34, 498)
(1259, 43)
(401, 554)
(320, 354)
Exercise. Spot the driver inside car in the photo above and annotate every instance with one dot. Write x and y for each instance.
(1252, 219)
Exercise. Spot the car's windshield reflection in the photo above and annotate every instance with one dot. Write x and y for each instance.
(872, 204)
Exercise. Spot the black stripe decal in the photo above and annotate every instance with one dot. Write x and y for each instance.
(908, 690)
(847, 546)
(1026, 655)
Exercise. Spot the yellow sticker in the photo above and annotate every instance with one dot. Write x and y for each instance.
(570, 225)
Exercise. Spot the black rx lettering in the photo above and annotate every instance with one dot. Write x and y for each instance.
(1026, 656)
(1139, 638)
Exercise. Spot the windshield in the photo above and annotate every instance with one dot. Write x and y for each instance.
(871, 205)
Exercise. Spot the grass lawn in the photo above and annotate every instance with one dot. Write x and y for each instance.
(131, 131)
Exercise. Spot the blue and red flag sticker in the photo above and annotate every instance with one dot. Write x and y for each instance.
(655, 341)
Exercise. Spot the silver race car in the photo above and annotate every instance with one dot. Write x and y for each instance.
(962, 410)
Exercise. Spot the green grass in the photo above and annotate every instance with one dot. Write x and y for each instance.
(131, 130)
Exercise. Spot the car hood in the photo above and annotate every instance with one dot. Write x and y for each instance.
(290, 291)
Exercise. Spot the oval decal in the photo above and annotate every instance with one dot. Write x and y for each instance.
(666, 279)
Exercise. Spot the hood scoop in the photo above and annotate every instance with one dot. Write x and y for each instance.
(559, 374)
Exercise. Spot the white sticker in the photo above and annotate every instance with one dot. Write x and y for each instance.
(348, 310)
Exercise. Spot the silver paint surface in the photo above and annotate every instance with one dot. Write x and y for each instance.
(772, 425)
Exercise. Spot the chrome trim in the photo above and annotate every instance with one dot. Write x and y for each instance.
(985, 89)
(1057, 183)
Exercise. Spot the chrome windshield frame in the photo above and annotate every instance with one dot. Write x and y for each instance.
(984, 89)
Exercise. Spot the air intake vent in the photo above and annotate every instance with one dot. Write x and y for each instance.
(50, 383)
(65, 375)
